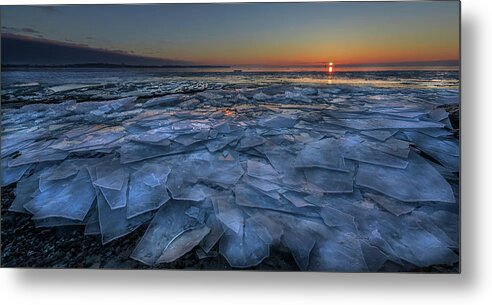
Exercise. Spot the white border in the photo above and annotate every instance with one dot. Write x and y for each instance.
(473, 286)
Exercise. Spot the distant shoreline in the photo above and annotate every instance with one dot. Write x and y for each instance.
(232, 68)
(116, 66)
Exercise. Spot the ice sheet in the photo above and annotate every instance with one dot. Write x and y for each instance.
(346, 178)
(403, 185)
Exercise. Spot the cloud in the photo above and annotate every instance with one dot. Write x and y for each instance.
(21, 49)
(20, 30)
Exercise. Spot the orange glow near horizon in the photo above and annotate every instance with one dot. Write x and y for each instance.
(346, 51)
(359, 56)
(287, 34)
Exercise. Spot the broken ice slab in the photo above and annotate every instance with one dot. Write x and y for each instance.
(448, 222)
(92, 222)
(147, 189)
(116, 198)
(448, 146)
(392, 146)
(170, 235)
(10, 145)
(166, 100)
(398, 112)
(335, 218)
(335, 200)
(438, 114)
(356, 148)
(383, 233)
(82, 130)
(322, 128)
(222, 126)
(261, 96)
(283, 161)
(183, 244)
(421, 218)
(381, 135)
(12, 174)
(112, 178)
(262, 170)
(221, 172)
(426, 248)
(244, 248)
(70, 87)
(133, 152)
(436, 132)
(56, 222)
(183, 180)
(220, 142)
(155, 136)
(373, 256)
(261, 184)
(187, 139)
(197, 192)
(100, 137)
(278, 121)
(122, 102)
(380, 123)
(68, 168)
(444, 151)
(268, 229)
(419, 181)
(393, 206)
(250, 140)
(203, 135)
(340, 252)
(329, 181)
(24, 190)
(216, 232)
(296, 199)
(227, 212)
(401, 238)
(211, 94)
(326, 153)
(113, 223)
(69, 199)
(299, 235)
(30, 157)
(249, 197)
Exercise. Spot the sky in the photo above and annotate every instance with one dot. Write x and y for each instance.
(274, 34)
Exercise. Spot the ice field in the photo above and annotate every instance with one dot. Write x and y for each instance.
(357, 173)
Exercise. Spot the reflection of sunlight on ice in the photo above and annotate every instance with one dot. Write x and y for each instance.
(330, 72)
(228, 112)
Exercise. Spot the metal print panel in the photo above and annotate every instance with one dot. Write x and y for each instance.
(254, 136)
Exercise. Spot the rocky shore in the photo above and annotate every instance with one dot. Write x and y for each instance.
(24, 245)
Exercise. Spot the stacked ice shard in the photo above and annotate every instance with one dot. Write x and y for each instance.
(347, 178)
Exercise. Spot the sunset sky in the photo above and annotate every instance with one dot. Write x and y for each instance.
(250, 34)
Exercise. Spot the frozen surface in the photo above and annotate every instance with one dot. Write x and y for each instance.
(345, 177)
